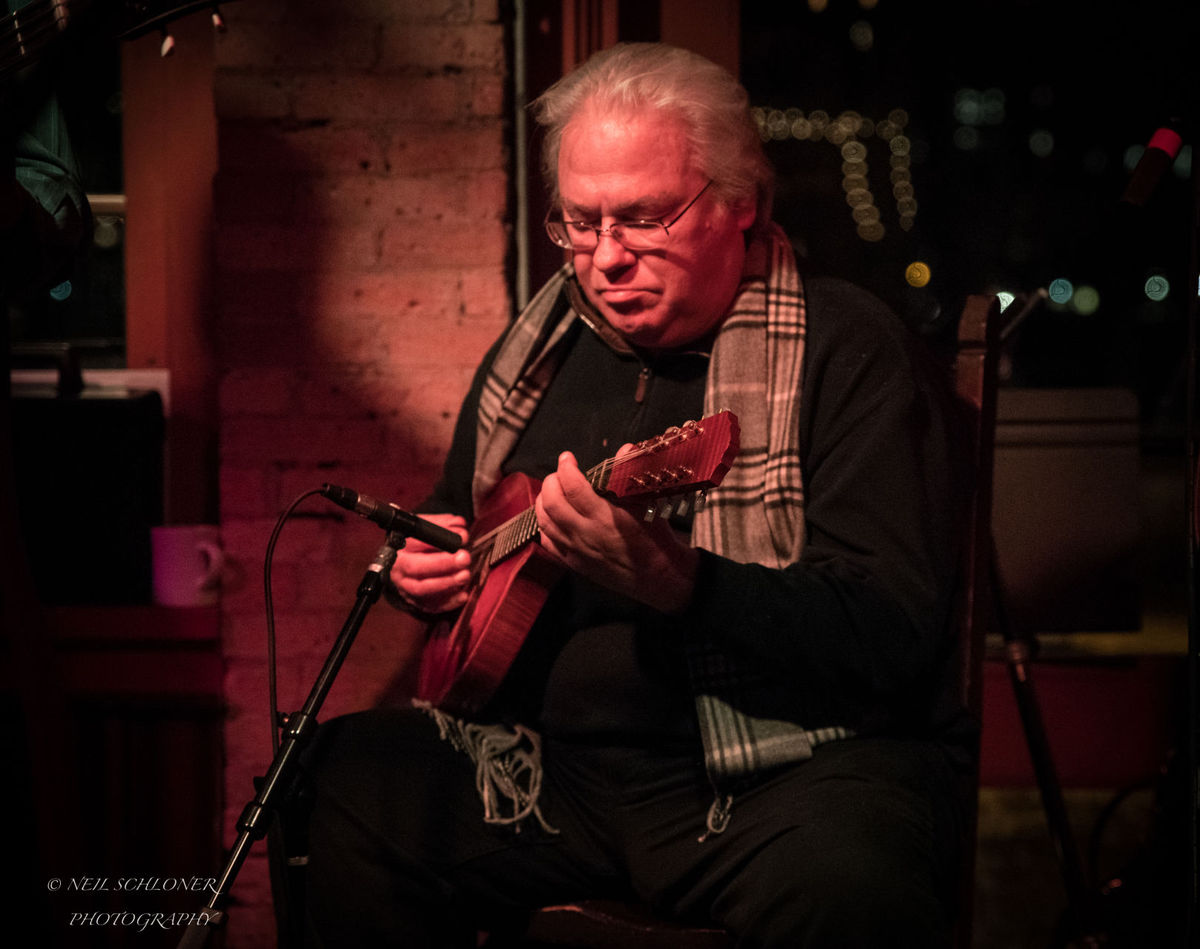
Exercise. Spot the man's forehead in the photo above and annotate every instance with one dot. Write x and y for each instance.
(624, 160)
(637, 137)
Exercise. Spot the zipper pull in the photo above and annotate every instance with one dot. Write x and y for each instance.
(642, 380)
(718, 817)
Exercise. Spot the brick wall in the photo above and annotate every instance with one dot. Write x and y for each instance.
(361, 242)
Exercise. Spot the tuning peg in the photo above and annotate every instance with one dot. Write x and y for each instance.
(656, 509)
(167, 46)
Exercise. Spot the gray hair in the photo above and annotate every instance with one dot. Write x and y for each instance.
(635, 77)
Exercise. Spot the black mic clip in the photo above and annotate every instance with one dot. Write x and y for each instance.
(392, 518)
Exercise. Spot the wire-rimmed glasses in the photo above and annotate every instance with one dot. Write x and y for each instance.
(583, 237)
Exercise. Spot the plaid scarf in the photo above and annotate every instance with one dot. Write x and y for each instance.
(756, 515)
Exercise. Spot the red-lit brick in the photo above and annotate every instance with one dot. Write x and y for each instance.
(361, 248)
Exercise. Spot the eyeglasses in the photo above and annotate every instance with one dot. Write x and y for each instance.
(632, 235)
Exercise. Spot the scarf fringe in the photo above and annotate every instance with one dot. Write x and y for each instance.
(508, 766)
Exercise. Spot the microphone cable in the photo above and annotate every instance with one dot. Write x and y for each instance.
(276, 716)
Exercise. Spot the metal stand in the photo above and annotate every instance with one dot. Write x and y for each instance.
(274, 789)
(1082, 914)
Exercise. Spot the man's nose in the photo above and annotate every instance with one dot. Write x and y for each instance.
(610, 253)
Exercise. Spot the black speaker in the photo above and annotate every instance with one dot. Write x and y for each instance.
(89, 484)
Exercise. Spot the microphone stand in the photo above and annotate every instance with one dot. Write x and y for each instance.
(273, 789)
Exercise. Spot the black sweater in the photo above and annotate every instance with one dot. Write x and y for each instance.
(856, 633)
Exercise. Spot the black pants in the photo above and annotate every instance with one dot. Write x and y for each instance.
(854, 848)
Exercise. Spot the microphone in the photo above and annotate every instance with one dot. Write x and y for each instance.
(392, 518)
(1164, 145)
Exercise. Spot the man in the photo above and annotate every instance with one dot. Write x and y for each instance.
(737, 719)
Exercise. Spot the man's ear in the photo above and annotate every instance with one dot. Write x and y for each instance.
(745, 213)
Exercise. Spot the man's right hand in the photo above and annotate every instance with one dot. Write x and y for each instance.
(432, 580)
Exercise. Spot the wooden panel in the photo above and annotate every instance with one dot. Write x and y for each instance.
(126, 733)
(170, 159)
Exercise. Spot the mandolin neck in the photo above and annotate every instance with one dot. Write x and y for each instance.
(519, 530)
(682, 461)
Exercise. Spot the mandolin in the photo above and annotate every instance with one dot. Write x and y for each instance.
(467, 655)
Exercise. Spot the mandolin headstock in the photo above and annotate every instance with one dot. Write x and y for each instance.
(681, 461)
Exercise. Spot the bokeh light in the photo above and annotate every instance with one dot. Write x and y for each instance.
(1061, 290)
(1157, 287)
(1041, 143)
(850, 132)
(966, 138)
(1086, 300)
(918, 274)
(862, 36)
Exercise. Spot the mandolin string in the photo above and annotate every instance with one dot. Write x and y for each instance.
(522, 527)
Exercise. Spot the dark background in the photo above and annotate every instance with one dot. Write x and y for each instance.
(1099, 78)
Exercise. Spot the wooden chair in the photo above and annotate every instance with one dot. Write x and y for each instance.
(602, 924)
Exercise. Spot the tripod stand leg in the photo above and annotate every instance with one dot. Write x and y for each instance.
(287, 847)
(1018, 656)
(1079, 898)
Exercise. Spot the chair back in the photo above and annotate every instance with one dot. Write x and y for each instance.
(976, 379)
(975, 385)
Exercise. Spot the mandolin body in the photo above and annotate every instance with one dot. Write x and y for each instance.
(466, 657)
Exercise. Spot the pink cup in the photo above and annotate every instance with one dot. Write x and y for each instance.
(188, 564)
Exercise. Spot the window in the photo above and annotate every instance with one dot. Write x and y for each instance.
(88, 310)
